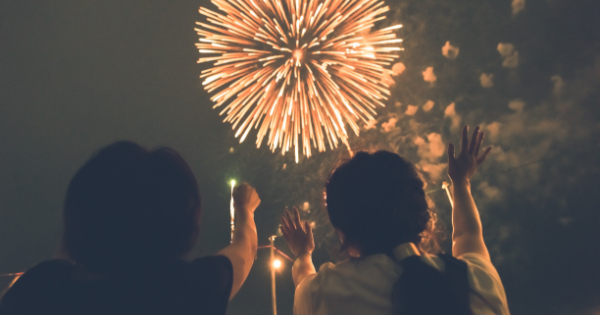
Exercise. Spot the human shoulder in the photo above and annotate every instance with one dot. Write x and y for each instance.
(303, 301)
(48, 270)
(479, 265)
(36, 286)
(212, 264)
(311, 283)
(52, 264)
(328, 270)
(485, 281)
(328, 266)
(331, 275)
(214, 270)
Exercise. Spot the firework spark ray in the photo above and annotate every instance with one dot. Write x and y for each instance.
(296, 70)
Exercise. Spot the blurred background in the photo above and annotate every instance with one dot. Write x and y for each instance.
(76, 75)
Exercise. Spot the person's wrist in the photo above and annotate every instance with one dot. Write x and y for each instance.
(463, 182)
(304, 253)
(243, 213)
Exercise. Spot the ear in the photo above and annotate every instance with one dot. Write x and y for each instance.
(352, 250)
(340, 235)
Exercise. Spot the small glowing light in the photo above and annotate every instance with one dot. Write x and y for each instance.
(232, 183)
(306, 206)
(298, 54)
(276, 263)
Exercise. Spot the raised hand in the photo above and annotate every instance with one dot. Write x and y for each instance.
(297, 233)
(462, 168)
(242, 250)
(245, 199)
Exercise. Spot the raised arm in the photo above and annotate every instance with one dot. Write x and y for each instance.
(243, 247)
(467, 236)
(299, 237)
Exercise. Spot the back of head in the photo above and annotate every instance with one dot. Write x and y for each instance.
(377, 200)
(128, 206)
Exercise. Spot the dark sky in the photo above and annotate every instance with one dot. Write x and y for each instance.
(76, 75)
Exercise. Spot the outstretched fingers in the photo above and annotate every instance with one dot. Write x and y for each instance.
(478, 143)
(292, 222)
(308, 228)
(451, 156)
(297, 219)
(285, 226)
(464, 144)
(473, 142)
(284, 232)
(483, 155)
(289, 220)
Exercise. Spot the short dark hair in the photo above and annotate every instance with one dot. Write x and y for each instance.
(128, 205)
(377, 200)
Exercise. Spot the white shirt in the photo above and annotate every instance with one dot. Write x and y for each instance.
(364, 286)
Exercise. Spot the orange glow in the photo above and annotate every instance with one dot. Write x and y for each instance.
(297, 71)
(276, 263)
(297, 54)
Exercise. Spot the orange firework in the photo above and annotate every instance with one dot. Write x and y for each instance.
(297, 71)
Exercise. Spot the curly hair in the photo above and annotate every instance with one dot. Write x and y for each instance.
(377, 200)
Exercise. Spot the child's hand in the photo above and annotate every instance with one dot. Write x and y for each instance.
(462, 168)
(298, 234)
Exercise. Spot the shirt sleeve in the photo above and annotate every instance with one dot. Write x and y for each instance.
(302, 298)
(215, 274)
(33, 292)
(485, 281)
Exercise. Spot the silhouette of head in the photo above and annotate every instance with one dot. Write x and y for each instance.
(377, 200)
(129, 206)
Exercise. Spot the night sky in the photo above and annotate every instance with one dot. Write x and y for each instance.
(76, 75)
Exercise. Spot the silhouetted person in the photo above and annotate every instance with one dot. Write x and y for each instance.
(377, 205)
(130, 215)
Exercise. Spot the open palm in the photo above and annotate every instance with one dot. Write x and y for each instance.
(297, 233)
(462, 168)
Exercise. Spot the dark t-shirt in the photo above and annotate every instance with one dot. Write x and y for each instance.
(60, 287)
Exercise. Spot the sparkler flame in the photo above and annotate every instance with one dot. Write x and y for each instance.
(297, 71)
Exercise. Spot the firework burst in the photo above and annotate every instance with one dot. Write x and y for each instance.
(296, 70)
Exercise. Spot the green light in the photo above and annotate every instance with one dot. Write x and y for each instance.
(232, 183)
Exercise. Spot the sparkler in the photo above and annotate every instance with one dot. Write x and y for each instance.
(446, 187)
(232, 210)
(298, 71)
(273, 289)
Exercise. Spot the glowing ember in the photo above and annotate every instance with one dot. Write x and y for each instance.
(297, 71)
(298, 54)
(276, 263)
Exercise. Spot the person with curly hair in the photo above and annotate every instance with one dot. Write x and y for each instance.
(377, 205)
